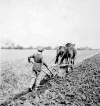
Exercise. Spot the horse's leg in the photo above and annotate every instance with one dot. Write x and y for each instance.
(67, 70)
(62, 59)
(71, 61)
(68, 60)
(74, 55)
(69, 57)
(57, 57)
(71, 67)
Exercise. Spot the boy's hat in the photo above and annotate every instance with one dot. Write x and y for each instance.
(40, 49)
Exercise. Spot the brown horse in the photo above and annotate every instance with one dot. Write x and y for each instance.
(67, 53)
(60, 52)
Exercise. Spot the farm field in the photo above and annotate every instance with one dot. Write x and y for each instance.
(49, 55)
(18, 58)
(16, 72)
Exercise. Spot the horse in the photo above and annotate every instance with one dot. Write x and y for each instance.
(60, 52)
(69, 53)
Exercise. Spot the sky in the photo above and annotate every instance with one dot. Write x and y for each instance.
(50, 22)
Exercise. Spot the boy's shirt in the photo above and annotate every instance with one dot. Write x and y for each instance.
(38, 58)
(38, 63)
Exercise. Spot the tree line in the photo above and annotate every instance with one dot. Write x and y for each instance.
(10, 45)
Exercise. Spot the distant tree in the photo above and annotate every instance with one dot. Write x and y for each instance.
(84, 48)
(19, 47)
(55, 48)
(7, 45)
(30, 47)
(48, 48)
(39, 47)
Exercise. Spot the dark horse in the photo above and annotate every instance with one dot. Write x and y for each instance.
(67, 53)
(60, 52)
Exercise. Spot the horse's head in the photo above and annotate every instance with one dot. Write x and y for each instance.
(70, 45)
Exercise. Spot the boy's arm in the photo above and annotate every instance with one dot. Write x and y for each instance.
(47, 67)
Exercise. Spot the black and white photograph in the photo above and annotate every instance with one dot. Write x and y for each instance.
(49, 52)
